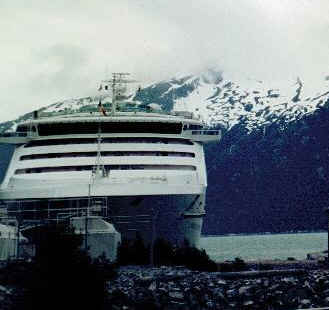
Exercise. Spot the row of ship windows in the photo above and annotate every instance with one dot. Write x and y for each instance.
(113, 153)
(108, 140)
(50, 129)
(107, 127)
(107, 167)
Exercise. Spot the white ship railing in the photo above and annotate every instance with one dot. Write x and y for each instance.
(17, 137)
(196, 135)
(113, 177)
(203, 135)
(206, 132)
(94, 112)
(14, 134)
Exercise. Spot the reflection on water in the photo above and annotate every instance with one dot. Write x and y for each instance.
(253, 247)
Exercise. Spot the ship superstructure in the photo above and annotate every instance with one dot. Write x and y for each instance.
(141, 168)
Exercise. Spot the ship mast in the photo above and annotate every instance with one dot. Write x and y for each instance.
(119, 88)
(118, 84)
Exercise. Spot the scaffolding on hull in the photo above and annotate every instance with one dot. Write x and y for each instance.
(27, 215)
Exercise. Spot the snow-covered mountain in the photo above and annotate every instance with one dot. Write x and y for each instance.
(219, 100)
(224, 102)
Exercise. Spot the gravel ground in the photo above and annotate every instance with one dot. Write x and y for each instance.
(179, 288)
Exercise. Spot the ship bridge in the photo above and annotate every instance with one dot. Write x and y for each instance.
(131, 124)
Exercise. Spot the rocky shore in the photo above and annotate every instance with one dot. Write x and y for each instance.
(179, 288)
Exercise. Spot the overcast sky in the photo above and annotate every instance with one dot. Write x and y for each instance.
(59, 49)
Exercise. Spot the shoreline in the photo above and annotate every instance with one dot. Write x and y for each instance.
(283, 246)
(265, 234)
(269, 265)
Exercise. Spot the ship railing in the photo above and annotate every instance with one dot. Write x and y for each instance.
(206, 132)
(190, 178)
(18, 134)
(203, 135)
(125, 107)
(49, 212)
(14, 134)
(17, 137)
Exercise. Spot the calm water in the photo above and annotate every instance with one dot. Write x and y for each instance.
(253, 247)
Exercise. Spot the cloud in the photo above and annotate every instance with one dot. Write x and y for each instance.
(52, 50)
(60, 68)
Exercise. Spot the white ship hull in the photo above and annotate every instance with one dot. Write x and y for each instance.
(152, 184)
(167, 194)
(175, 201)
(117, 183)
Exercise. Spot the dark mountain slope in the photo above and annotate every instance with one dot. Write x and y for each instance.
(275, 179)
(6, 151)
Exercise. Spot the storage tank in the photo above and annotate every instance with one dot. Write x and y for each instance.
(101, 237)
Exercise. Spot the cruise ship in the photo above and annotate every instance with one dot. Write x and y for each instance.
(138, 167)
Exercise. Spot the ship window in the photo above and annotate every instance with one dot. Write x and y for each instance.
(59, 142)
(24, 128)
(106, 153)
(21, 128)
(107, 167)
(109, 127)
(109, 140)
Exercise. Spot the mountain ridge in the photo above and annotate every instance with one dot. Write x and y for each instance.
(218, 100)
